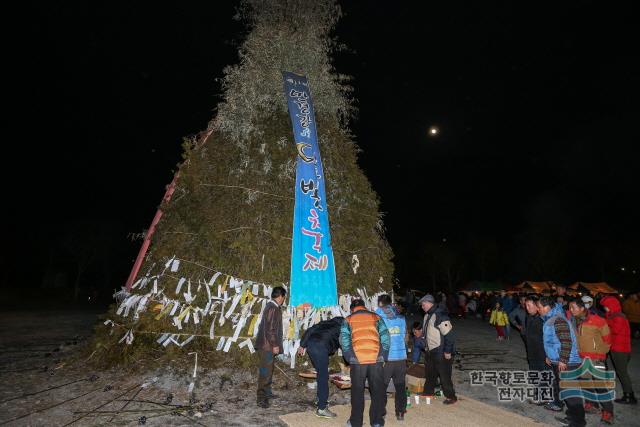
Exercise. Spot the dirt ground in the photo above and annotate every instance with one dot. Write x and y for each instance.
(419, 415)
(44, 383)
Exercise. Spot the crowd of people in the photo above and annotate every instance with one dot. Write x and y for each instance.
(559, 332)
(374, 344)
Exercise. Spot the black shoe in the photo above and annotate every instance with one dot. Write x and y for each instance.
(564, 421)
(627, 399)
(273, 396)
(552, 406)
(400, 416)
(448, 401)
(263, 404)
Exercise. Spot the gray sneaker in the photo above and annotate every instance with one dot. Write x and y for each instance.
(325, 413)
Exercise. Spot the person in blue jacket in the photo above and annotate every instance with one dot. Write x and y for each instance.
(561, 349)
(396, 364)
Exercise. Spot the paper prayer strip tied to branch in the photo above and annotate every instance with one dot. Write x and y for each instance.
(220, 344)
(168, 263)
(247, 343)
(180, 283)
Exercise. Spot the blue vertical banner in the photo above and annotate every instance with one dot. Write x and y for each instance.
(313, 273)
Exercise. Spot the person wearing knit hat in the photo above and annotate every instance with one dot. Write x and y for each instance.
(439, 349)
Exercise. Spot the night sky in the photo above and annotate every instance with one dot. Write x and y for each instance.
(537, 108)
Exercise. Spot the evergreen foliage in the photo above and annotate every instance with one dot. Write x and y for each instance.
(232, 209)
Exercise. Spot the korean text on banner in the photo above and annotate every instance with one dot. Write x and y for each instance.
(313, 276)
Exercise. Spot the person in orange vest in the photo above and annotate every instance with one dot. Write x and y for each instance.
(365, 342)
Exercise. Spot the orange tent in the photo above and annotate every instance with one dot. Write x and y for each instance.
(537, 287)
(593, 288)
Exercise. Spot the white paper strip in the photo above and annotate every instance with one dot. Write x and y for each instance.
(187, 341)
(180, 282)
(239, 327)
(222, 318)
(177, 323)
(169, 262)
(220, 344)
(335, 311)
(213, 279)
(175, 307)
(227, 346)
(255, 289)
(195, 365)
(292, 352)
(175, 265)
(162, 338)
(257, 325)
(247, 343)
(128, 337)
(235, 302)
(212, 328)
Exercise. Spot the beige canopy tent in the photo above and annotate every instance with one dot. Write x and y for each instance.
(593, 288)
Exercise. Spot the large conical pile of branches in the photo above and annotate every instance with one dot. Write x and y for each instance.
(232, 209)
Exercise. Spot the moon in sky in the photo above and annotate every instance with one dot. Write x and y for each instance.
(434, 131)
(305, 158)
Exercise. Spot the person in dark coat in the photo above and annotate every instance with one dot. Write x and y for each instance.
(517, 318)
(269, 344)
(534, 343)
(321, 341)
(507, 304)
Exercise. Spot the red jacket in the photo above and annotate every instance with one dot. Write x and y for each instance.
(618, 324)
